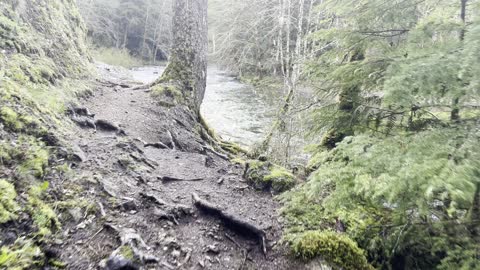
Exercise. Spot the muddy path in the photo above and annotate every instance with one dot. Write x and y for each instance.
(140, 170)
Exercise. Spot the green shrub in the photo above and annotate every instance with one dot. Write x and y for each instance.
(336, 249)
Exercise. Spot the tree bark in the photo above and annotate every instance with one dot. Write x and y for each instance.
(187, 68)
(145, 29)
(455, 114)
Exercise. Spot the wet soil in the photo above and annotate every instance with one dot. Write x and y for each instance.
(143, 195)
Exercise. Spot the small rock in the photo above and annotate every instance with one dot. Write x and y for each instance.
(58, 242)
(81, 226)
(213, 249)
(120, 263)
(149, 259)
(106, 125)
(176, 253)
(9, 238)
(128, 205)
(76, 213)
(78, 154)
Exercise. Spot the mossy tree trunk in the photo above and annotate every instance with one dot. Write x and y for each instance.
(348, 102)
(187, 68)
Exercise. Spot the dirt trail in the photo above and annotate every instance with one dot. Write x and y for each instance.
(141, 208)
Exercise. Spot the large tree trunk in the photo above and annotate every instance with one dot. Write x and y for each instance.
(187, 68)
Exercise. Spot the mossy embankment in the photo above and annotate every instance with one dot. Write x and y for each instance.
(43, 64)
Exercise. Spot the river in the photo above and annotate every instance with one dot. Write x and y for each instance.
(236, 111)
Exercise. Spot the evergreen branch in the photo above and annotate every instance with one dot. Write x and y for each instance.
(383, 33)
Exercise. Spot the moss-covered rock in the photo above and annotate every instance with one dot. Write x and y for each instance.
(336, 249)
(264, 175)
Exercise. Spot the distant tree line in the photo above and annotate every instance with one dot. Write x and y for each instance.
(141, 26)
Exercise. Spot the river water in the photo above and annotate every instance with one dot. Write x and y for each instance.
(236, 111)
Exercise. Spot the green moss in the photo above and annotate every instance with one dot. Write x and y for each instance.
(207, 127)
(233, 148)
(8, 206)
(43, 215)
(265, 176)
(35, 159)
(10, 119)
(18, 123)
(24, 254)
(301, 214)
(29, 155)
(239, 161)
(87, 206)
(280, 179)
(338, 250)
(57, 264)
(127, 252)
(169, 91)
(256, 164)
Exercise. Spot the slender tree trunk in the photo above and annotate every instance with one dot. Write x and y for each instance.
(475, 213)
(145, 30)
(125, 36)
(463, 15)
(455, 114)
(187, 68)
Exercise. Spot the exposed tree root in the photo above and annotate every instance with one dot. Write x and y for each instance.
(158, 145)
(150, 163)
(173, 179)
(220, 155)
(129, 237)
(231, 221)
(106, 125)
(152, 198)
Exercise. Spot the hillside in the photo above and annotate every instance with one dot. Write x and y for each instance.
(98, 172)
(43, 61)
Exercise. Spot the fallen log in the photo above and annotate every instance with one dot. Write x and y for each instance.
(231, 221)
